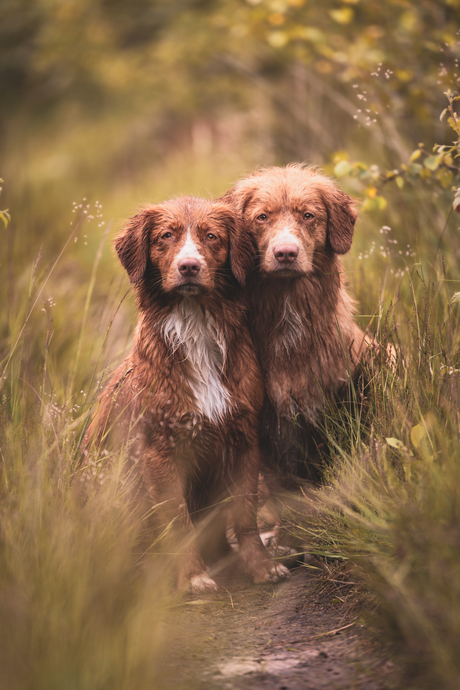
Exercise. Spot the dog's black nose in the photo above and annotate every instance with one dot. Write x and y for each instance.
(286, 253)
(189, 267)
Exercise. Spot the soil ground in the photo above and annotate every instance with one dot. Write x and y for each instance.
(267, 637)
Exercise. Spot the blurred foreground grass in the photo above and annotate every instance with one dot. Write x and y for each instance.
(81, 605)
(391, 506)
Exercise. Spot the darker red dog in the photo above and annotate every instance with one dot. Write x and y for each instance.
(191, 390)
(302, 315)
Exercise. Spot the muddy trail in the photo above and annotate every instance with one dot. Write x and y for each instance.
(296, 635)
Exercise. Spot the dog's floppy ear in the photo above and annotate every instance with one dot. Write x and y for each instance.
(242, 254)
(341, 220)
(242, 249)
(132, 245)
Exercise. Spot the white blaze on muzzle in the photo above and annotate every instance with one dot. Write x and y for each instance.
(285, 236)
(189, 250)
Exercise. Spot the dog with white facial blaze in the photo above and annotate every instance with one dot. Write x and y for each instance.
(190, 392)
(301, 313)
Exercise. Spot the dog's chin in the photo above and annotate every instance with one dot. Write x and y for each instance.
(189, 289)
(284, 272)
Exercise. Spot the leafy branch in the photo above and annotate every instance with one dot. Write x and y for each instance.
(442, 164)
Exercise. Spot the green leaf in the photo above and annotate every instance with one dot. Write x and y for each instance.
(444, 176)
(432, 163)
(414, 169)
(342, 168)
(416, 434)
(376, 203)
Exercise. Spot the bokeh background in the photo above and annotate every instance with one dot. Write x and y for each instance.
(108, 105)
(124, 103)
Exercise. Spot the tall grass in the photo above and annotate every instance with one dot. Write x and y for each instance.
(80, 605)
(392, 504)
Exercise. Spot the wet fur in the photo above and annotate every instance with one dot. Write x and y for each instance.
(301, 313)
(189, 395)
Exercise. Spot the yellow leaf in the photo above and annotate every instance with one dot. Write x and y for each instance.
(416, 434)
(344, 15)
(400, 181)
(395, 443)
(277, 39)
(416, 154)
(371, 192)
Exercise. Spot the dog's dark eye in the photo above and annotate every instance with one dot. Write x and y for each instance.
(210, 236)
(262, 217)
(308, 216)
(166, 236)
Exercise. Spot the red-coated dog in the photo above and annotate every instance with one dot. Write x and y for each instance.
(191, 389)
(301, 313)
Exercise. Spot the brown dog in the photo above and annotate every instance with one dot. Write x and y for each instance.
(302, 316)
(191, 389)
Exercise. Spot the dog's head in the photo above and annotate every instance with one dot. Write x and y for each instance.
(296, 216)
(186, 245)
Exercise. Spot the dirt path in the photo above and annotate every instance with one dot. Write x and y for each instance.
(272, 637)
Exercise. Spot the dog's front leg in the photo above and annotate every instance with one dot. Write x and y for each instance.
(166, 487)
(252, 552)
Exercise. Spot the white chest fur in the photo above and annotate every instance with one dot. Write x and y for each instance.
(194, 331)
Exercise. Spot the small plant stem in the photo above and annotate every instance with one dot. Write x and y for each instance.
(315, 637)
(86, 307)
(13, 349)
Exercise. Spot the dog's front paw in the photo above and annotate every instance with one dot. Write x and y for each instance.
(274, 573)
(202, 583)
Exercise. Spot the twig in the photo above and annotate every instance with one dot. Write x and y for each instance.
(231, 598)
(315, 637)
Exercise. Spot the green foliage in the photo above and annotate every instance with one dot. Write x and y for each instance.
(442, 167)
